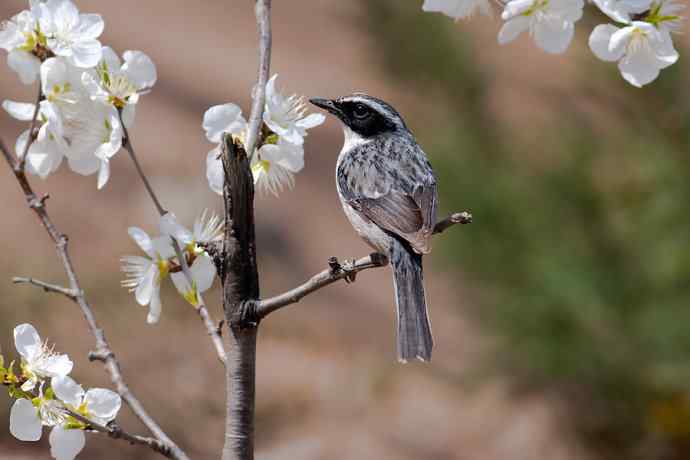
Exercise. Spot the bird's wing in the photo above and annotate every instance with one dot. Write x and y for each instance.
(392, 184)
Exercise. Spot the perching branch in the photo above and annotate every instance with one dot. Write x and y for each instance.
(114, 431)
(201, 309)
(263, 19)
(464, 217)
(336, 272)
(103, 349)
(339, 271)
(47, 287)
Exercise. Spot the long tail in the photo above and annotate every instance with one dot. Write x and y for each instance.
(414, 328)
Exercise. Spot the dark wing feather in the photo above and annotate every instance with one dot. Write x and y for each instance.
(408, 206)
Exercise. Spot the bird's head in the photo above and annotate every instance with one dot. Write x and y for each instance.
(365, 115)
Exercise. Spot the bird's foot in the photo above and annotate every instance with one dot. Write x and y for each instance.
(349, 268)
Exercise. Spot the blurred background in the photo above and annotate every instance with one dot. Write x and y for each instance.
(561, 315)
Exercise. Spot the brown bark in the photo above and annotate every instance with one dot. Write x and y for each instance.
(240, 290)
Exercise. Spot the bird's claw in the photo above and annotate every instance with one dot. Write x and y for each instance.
(348, 267)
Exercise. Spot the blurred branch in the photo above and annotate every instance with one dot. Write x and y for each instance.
(69, 293)
(263, 19)
(102, 347)
(347, 272)
(201, 309)
(114, 431)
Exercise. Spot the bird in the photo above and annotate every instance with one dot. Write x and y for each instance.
(387, 189)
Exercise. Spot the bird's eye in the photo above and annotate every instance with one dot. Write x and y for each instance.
(360, 111)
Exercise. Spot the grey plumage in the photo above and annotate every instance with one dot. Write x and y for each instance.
(388, 191)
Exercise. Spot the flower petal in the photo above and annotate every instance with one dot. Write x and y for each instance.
(57, 366)
(203, 272)
(215, 174)
(554, 36)
(639, 68)
(142, 239)
(90, 25)
(103, 403)
(25, 64)
(223, 118)
(139, 69)
(86, 53)
(148, 285)
(154, 306)
(311, 121)
(27, 341)
(599, 42)
(85, 165)
(24, 422)
(21, 111)
(170, 226)
(66, 444)
(512, 28)
(67, 390)
(103, 174)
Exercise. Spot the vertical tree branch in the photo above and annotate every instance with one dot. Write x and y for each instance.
(263, 19)
(239, 272)
(240, 290)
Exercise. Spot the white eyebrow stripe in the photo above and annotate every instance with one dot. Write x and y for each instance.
(384, 109)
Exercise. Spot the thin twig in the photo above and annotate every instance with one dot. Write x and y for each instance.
(339, 271)
(127, 144)
(329, 276)
(263, 19)
(47, 287)
(114, 431)
(103, 349)
(32, 129)
(201, 309)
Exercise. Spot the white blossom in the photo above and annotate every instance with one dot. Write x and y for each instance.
(50, 408)
(623, 10)
(226, 118)
(640, 49)
(219, 119)
(207, 229)
(70, 34)
(550, 22)
(95, 134)
(275, 165)
(39, 361)
(144, 275)
(457, 9)
(285, 116)
(119, 84)
(21, 38)
(97, 404)
(92, 130)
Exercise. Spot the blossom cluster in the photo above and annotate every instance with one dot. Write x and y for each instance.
(88, 92)
(47, 396)
(281, 153)
(145, 274)
(640, 41)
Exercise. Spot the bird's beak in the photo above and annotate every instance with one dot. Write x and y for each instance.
(328, 105)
